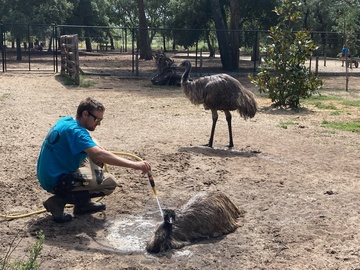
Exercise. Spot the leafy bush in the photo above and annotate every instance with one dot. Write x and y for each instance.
(31, 263)
(283, 74)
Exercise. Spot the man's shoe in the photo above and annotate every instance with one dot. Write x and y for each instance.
(55, 205)
(89, 207)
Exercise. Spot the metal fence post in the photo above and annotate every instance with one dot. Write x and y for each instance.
(29, 54)
(2, 45)
(54, 47)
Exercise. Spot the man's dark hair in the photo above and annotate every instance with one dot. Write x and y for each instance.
(89, 104)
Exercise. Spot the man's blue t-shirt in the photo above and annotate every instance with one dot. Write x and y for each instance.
(345, 51)
(62, 151)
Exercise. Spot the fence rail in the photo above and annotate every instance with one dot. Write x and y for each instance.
(112, 50)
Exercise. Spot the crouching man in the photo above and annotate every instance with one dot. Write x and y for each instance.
(70, 163)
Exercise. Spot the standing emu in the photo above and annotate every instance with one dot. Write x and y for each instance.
(219, 92)
(207, 214)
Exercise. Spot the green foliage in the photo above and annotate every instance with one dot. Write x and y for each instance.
(189, 15)
(31, 263)
(283, 75)
(345, 18)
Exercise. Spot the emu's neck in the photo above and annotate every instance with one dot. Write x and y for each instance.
(185, 76)
(168, 228)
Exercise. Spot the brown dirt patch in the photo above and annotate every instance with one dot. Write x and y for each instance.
(298, 185)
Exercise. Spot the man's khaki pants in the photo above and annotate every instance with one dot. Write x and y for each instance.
(93, 179)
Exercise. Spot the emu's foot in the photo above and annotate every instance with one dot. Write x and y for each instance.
(208, 145)
(231, 145)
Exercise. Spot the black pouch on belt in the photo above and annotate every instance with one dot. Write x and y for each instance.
(66, 183)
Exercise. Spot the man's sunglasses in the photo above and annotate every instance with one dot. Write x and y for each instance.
(96, 119)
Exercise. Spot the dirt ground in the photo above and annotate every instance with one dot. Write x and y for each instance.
(298, 182)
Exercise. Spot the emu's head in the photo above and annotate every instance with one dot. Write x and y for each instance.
(161, 240)
(186, 63)
(169, 216)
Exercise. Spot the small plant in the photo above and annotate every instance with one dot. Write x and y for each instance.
(31, 263)
(285, 125)
(283, 74)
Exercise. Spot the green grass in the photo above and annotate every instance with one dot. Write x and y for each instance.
(316, 98)
(338, 106)
(325, 106)
(351, 103)
(67, 80)
(331, 103)
(336, 113)
(84, 83)
(322, 102)
(353, 126)
(285, 125)
(4, 96)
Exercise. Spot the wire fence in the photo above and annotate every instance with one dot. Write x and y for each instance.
(113, 50)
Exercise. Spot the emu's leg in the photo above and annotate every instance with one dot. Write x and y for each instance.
(228, 119)
(214, 118)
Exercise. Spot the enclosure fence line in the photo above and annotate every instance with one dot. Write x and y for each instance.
(108, 39)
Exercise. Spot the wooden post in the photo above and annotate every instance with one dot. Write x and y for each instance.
(70, 57)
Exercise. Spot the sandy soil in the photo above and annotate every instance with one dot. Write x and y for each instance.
(297, 181)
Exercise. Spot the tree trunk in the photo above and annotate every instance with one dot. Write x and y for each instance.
(222, 35)
(234, 34)
(88, 44)
(210, 45)
(144, 44)
(88, 40)
(164, 43)
(50, 43)
(18, 50)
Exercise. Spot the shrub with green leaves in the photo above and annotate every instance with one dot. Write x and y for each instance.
(31, 263)
(283, 74)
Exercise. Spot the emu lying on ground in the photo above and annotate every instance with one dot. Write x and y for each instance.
(219, 92)
(167, 74)
(207, 214)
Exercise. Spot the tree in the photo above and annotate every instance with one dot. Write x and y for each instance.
(257, 14)
(188, 19)
(143, 42)
(90, 13)
(283, 74)
(226, 16)
(218, 14)
(19, 14)
(346, 16)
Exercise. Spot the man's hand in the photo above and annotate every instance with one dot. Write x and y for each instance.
(144, 166)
